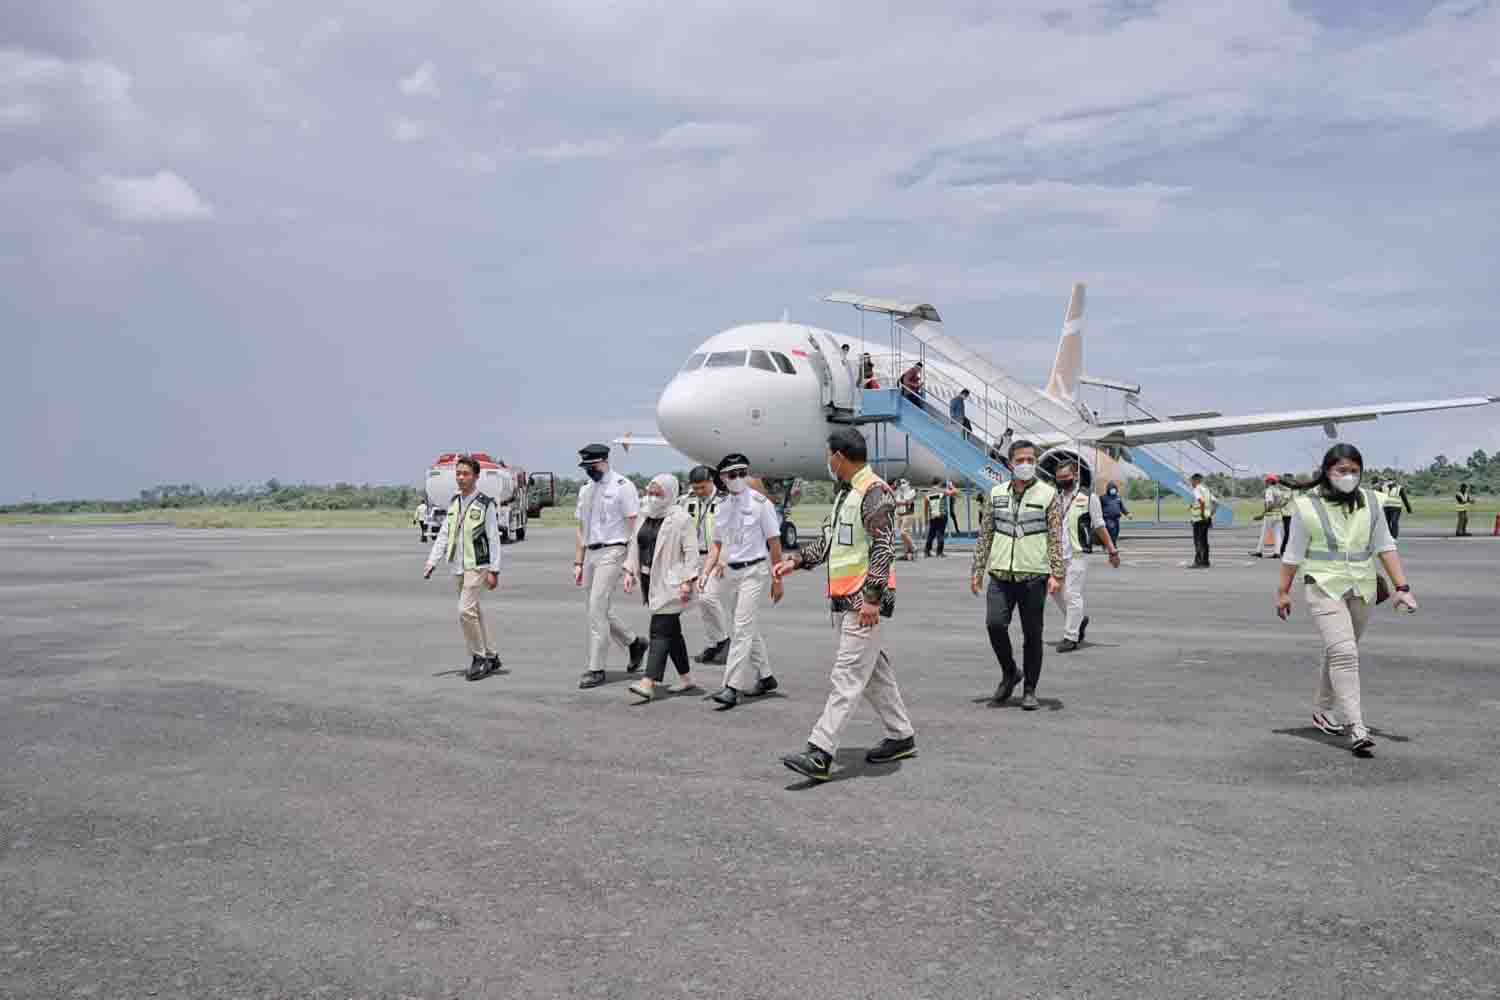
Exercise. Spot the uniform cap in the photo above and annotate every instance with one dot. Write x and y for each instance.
(592, 453)
(1271, 478)
(732, 461)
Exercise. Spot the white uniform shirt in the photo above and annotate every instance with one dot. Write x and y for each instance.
(1202, 494)
(603, 508)
(1096, 513)
(491, 530)
(742, 525)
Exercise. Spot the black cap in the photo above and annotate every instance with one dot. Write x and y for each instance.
(590, 454)
(734, 460)
(700, 474)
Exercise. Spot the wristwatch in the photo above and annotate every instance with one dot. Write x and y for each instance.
(1405, 588)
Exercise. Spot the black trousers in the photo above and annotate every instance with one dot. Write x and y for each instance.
(937, 529)
(1393, 521)
(1200, 543)
(1286, 532)
(666, 641)
(1003, 598)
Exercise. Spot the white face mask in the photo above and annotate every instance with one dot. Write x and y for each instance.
(656, 506)
(831, 474)
(1345, 484)
(736, 486)
(1025, 471)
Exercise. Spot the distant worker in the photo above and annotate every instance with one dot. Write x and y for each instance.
(1463, 502)
(1113, 506)
(1201, 513)
(906, 518)
(1337, 534)
(1393, 497)
(935, 509)
(663, 561)
(1019, 553)
(911, 381)
(419, 518)
(867, 377)
(702, 503)
(469, 542)
(608, 506)
(747, 540)
(857, 543)
(956, 412)
(1275, 500)
(1285, 481)
(1083, 523)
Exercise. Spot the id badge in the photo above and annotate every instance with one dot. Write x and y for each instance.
(846, 534)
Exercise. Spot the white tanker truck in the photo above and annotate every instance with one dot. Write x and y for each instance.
(516, 495)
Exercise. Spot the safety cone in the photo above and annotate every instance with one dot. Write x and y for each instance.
(1497, 525)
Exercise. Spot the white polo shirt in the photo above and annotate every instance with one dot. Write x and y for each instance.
(743, 524)
(603, 508)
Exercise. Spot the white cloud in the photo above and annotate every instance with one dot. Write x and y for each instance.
(586, 149)
(422, 82)
(162, 198)
(408, 130)
(707, 137)
(35, 87)
(20, 114)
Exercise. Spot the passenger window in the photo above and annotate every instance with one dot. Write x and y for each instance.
(694, 362)
(783, 362)
(726, 359)
(761, 360)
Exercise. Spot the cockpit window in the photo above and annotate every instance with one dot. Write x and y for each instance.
(761, 360)
(726, 359)
(695, 362)
(784, 363)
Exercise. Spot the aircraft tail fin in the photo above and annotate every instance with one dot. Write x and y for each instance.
(1066, 370)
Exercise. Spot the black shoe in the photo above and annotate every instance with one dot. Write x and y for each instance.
(591, 679)
(1007, 685)
(1067, 646)
(478, 667)
(811, 763)
(1029, 702)
(1083, 627)
(726, 698)
(637, 654)
(709, 652)
(721, 654)
(493, 665)
(891, 750)
(766, 685)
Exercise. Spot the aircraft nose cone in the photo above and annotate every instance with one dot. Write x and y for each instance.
(685, 416)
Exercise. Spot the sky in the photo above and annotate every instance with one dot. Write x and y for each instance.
(325, 241)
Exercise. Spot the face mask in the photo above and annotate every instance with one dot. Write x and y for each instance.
(595, 474)
(1113, 491)
(1065, 484)
(1025, 471)
(656, 506)
(1345, 484)
(831, 474)
(736, 486)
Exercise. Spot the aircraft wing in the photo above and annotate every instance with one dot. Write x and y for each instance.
(629, 440)
(1205, 429)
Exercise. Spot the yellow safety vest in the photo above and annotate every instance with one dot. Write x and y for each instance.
(937, 505)
(1465, 503)
(1077, 510)
(1340, 557)
(476, 540)
(849, 545)
(703, 516)
(1019, 544)
(1390, 496)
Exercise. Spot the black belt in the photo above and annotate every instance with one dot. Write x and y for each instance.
(703, 552)
(746, 565)
(605, 545)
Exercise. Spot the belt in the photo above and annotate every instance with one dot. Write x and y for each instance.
(747, 564)
(605, 545)
(703, 552)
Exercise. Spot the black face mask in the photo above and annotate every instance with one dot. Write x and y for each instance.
(595, 474)
(1065, 484)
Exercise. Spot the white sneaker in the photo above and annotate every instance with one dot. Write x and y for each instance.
(1360, 741)
(1326, 723)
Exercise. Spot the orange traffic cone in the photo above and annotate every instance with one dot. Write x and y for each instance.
(1497, 525)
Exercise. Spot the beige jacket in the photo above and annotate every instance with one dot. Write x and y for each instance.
(675, 561)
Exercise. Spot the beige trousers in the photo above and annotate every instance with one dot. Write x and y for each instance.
(601, 578)
(748, 661)
(1341, 622)
(711, 604)
(470, 617)
(1069, 597)
(860, 667)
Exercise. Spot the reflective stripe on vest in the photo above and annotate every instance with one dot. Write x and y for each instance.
(703, 516)
(1339, 564)
(849, 545)
(476, 539)
(1020, 541)
(936, 507)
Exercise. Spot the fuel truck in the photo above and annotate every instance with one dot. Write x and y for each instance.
(518, 496)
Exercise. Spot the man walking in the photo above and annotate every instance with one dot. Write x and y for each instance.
(858, 544)
(1201, 513)
(469, 542)
(608, 506)
(956, 412)
(747, 540)
(1020, 552)
(906, 518)
(1083, 522)
(419, 518)
(936, 504)
(702, 502)
(1393, 497)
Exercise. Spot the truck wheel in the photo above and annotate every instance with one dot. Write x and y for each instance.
(788, 535)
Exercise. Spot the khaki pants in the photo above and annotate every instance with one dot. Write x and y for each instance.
(1341, 622)
(1270, 536)
(860, 667)
(711, 604)
(1069, 597)
(601, 578)
(470, 617)
(748, 661)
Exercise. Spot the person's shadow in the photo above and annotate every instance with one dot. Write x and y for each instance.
(849, 763)
(1316, 735)
(1050, 704)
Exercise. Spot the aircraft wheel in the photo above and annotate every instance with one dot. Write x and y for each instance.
(788, 535)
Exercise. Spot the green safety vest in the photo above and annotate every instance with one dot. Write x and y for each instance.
(937, 505)
(1390, 496)
(1079, 533)
(476, 540)
(1463, 501)
(849, 546)
(1019, 544)
(703, 516)
(1340, 557)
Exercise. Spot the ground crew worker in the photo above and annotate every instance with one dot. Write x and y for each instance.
(1337, 534)
(469, 542)
(1201, 512)
(608, 506)
(419, 518)
(1275, 500)
(1083, 519)
(906, 518)
(1020, 552)
(1284, 483)
(702, 503)
(1463, 502)
(747, 540)
(857, 543)
(1393, 497)
(936, 505)
(1113, 506)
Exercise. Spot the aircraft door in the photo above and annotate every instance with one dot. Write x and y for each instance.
(541, 491)
(835, 373)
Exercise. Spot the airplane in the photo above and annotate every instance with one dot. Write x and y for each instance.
(775, 390)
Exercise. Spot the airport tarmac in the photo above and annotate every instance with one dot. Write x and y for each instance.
(239, 764)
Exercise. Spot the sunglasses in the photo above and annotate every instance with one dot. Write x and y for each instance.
(734, 474)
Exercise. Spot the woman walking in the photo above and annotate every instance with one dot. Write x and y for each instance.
(1338, 531)
(663, 558)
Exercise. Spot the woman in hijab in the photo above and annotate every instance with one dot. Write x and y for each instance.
(663, 559)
